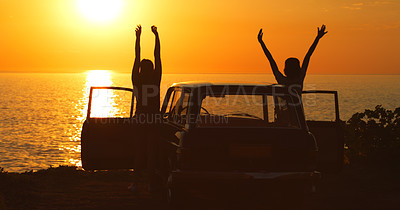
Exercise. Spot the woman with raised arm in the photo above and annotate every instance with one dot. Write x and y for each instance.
(294, 74)
(146, 79)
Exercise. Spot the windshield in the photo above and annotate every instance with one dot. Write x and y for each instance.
(247, 111)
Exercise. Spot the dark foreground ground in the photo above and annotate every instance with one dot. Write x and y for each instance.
(67, 188)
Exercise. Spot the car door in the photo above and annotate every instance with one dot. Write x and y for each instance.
(108, 133)
(175, 111)
(322, 116)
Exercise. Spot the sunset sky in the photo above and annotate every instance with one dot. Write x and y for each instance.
(205, 36)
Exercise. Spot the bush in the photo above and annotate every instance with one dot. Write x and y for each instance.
(374, 135)
(2, 171)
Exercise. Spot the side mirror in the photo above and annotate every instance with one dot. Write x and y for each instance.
(165, 116)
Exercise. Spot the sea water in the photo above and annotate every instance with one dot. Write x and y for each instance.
(41, 115)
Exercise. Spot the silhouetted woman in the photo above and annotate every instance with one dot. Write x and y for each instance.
(294, 73)
(146, 79)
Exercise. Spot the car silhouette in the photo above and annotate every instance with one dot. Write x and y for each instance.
(225, 135)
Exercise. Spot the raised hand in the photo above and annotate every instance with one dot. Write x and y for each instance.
(260, 35)
(138, 30)
(321, 32)
(154, 30)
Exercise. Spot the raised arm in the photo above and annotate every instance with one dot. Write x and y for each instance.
(136, 64)
(157, 56)
(306, 61)
(278, 75)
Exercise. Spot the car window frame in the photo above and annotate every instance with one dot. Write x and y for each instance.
(168, 115)
(273, 94)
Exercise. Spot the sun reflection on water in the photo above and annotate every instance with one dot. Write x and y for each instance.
(103, 101)
(98, 78)
(103, 105)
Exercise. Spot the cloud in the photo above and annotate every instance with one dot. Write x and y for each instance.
(391, 26)
(376, 27)
(354, 6)
(383, 3)
(325, 10)
(361, 5)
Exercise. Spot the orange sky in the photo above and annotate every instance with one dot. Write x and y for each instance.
(202, 36)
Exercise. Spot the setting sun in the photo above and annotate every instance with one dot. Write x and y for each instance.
(199, 36)
(100, 10)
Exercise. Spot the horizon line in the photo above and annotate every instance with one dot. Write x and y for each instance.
(80, 72)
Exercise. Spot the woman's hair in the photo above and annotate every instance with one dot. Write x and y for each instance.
(146, 70)
(146, 65)
(292, 67)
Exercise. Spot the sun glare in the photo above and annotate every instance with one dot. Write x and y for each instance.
(103, 104)
(98, 78)
(100, 10)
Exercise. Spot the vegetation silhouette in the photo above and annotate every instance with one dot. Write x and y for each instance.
(373, 136)
(294, 74)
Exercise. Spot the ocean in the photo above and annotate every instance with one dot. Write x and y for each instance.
(41, 115)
